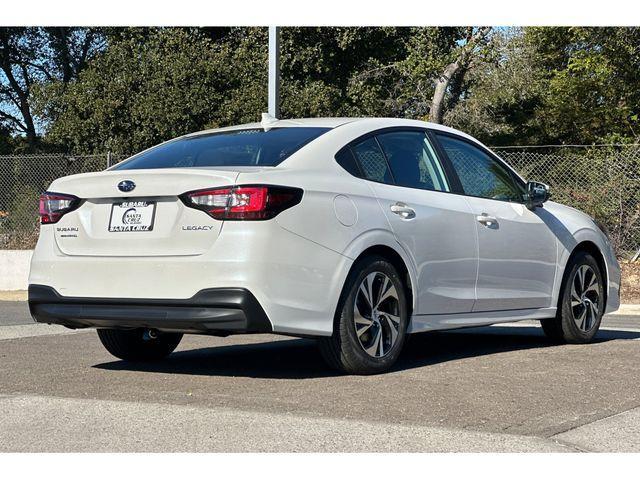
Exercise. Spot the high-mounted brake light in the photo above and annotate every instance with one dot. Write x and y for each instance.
(244, 202)
(54, 205)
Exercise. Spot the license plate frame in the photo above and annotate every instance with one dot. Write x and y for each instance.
(132, 216)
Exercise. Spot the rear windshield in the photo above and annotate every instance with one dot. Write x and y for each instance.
(226, 149)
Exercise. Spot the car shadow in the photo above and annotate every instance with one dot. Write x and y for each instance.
(300, 358)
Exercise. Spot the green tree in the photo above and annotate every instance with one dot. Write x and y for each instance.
(6, 142)
(594, 82)
(502, 96)
(150, 85)
(34, 55)
(146, 87)
(426, 77)
(322, 69)
(505, 86)
(555, 85)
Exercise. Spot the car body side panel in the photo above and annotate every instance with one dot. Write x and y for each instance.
(425, 323)
(517, 257)
(321, 218)
(375, 238)
(441, 241)
(572, 227)
(315, 170)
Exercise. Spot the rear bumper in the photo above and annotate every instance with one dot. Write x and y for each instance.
(213, 311)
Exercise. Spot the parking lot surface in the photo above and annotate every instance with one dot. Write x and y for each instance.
(501, 388)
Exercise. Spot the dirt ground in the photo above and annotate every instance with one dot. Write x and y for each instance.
(630, 292)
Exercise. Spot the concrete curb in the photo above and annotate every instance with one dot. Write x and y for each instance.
(14, 265)
(13, 296)
(628, 309)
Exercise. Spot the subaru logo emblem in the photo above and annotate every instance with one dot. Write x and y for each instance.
(126, 186)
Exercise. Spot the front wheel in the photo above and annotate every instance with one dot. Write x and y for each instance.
(371, 321)
(581, 303)
(137, 345)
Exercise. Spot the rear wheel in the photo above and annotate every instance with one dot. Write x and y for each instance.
(371, 321)
(137, 344)
(581, 304)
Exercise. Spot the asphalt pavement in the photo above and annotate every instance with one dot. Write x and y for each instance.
(501, 388)
(14, 313)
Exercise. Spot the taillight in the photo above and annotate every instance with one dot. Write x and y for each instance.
(244, 202)
(54, 205)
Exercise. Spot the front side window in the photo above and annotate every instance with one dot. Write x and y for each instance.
(254, 147)
(412, 160)
(479, 174)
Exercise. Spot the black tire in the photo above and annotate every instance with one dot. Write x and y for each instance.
(136, 345)
(564, 327)
(344, 350)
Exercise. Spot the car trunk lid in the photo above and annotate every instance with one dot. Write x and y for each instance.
(148, 220)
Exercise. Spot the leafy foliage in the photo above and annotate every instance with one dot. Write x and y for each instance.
(556, 85)
(31, 56)
(150, 85)
(145, 88)
(125, 89)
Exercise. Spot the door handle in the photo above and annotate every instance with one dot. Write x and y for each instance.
(403, 210)
(487, 220)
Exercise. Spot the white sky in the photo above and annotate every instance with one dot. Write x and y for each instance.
(321, 12)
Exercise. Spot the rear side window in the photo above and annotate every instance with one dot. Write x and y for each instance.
(255, 147)
(347, 161)
(412, 160)
(372, 161)
(404, 158)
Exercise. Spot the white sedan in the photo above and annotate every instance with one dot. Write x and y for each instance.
(356, 232)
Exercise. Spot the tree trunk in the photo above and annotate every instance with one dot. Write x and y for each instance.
(32, 136)
(458, 66)
(436, 113)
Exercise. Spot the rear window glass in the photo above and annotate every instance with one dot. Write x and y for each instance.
(227, 149)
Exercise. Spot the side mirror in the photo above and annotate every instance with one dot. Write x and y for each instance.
(537, 194)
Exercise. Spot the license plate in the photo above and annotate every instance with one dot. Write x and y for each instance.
(135, 216)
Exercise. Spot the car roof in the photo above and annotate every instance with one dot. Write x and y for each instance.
(328, 122)
(331, 122)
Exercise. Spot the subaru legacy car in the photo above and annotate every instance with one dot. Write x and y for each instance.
(356, 232)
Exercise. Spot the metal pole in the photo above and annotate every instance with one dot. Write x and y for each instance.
(274, 72)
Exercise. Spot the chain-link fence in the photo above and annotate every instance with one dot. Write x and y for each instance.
(601, 181)
(23, 178)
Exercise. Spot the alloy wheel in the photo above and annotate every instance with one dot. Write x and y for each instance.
(585, 298)
(376, 314)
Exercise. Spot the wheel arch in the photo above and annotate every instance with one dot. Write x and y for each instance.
(586, 246)
(399, 263)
